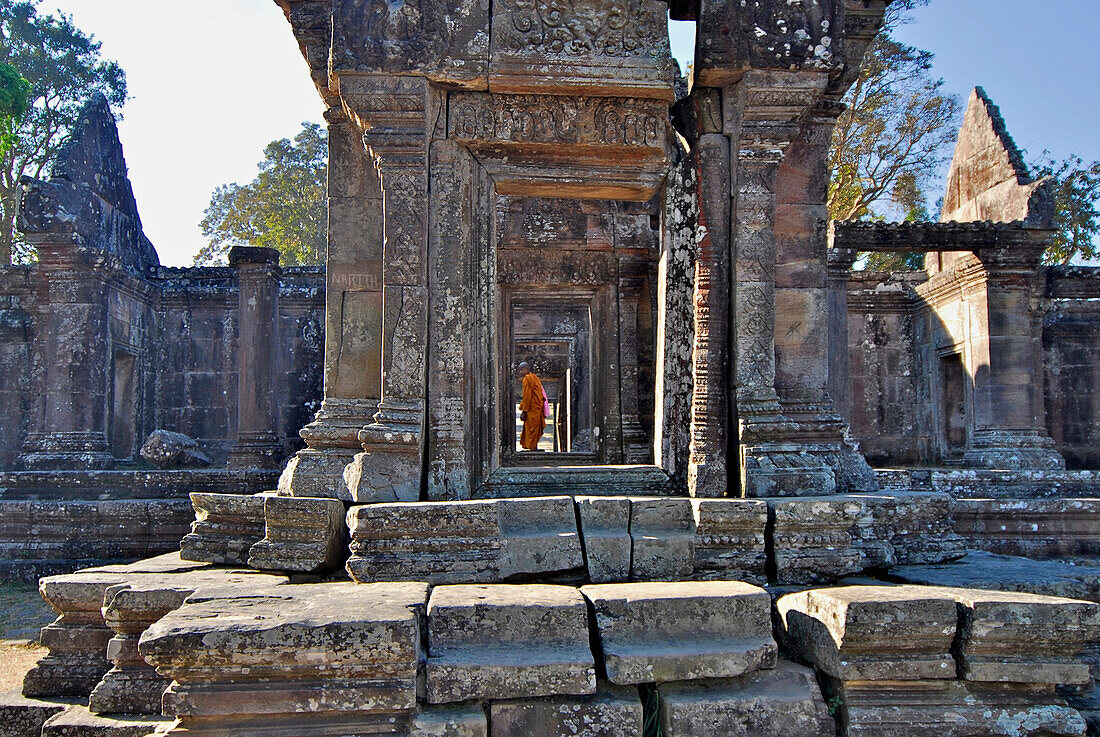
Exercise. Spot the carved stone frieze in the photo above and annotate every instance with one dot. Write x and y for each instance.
(578, 46)
(736, 35)
(586, 121)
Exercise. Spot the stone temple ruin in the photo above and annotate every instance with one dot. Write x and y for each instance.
(700, 545)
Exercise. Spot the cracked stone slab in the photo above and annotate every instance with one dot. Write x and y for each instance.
(507, 641)
(659, 632)
(872, 633)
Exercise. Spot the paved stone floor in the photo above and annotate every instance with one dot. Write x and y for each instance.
(22, 614)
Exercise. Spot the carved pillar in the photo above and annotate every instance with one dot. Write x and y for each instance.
(1005, 357)
(802, 309)
(257, 444)
(353, 319)
(636, 449)
(71, 353)
(762, 116)
(392, 112)
(707, 461)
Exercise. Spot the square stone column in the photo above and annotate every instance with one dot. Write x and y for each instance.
(257, 444)
(353, 319)
(1004, 359)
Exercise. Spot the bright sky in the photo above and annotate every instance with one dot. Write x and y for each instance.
(213, 81)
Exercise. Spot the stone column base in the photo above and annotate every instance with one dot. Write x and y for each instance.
(317, 473)
(1019, 450)
(66, 451)
(384, 473)
(785, 469)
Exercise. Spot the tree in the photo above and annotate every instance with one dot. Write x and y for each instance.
(284, 207)
(897, 131)
(64, 68)
(14, 99)
(1076, 217)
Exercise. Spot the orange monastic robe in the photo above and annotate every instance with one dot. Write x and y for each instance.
(532, 405)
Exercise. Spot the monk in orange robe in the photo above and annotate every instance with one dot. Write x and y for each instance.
(530, 407)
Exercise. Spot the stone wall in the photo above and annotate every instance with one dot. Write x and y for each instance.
(181, 326)
(896, 343)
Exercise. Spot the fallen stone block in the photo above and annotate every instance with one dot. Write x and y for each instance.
(605, 532)
(132, 686)
(449, 721)
(167, 449)
(77, 721)
(729, 539)
(784, 702)
(659, 632)
(662, 533)
(483, 541)
(226, 527)
(872, 633)
(918, 526)
(952, 708)
(613, 711)
(301, 534)
(23, 717)
(1023, 638)
(337, 653)
(506, 641)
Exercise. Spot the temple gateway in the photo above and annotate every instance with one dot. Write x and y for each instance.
(772, 497)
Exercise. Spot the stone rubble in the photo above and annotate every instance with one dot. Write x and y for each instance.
(301, 534)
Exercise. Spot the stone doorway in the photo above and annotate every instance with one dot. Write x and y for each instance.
(953, 383)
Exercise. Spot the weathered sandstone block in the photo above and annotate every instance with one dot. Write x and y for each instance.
(872, 633)
(784, 702)
(132, 686)
(301, 534)
(450, 721)
(729, 539)
(483, 541)
(659, 632)
(662, 531)
(226, 527)
(613, 711)
(20, 716)
(1023, 638)
(605, 531)
(505, 642)
(332, 651)
(166, 449)
(946, 708)
(1045, 528)
(78, 721)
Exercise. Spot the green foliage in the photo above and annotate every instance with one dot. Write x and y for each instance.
(1076, 217)
(896, 133)
(14, 98)
(64, 68)
(284, 207)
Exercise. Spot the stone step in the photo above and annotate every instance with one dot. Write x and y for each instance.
(504, 641)
(23, 717)
(658, 632)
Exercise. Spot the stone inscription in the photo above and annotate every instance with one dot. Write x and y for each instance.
(476, 116)
(370, 279)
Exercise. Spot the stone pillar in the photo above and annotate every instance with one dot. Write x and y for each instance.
(839, 268)
(802, 308)
(392, 111)
(258, 272)
(707, 461)
(1000, 285)
(762, 116)
(71, 357)
(353, 319)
